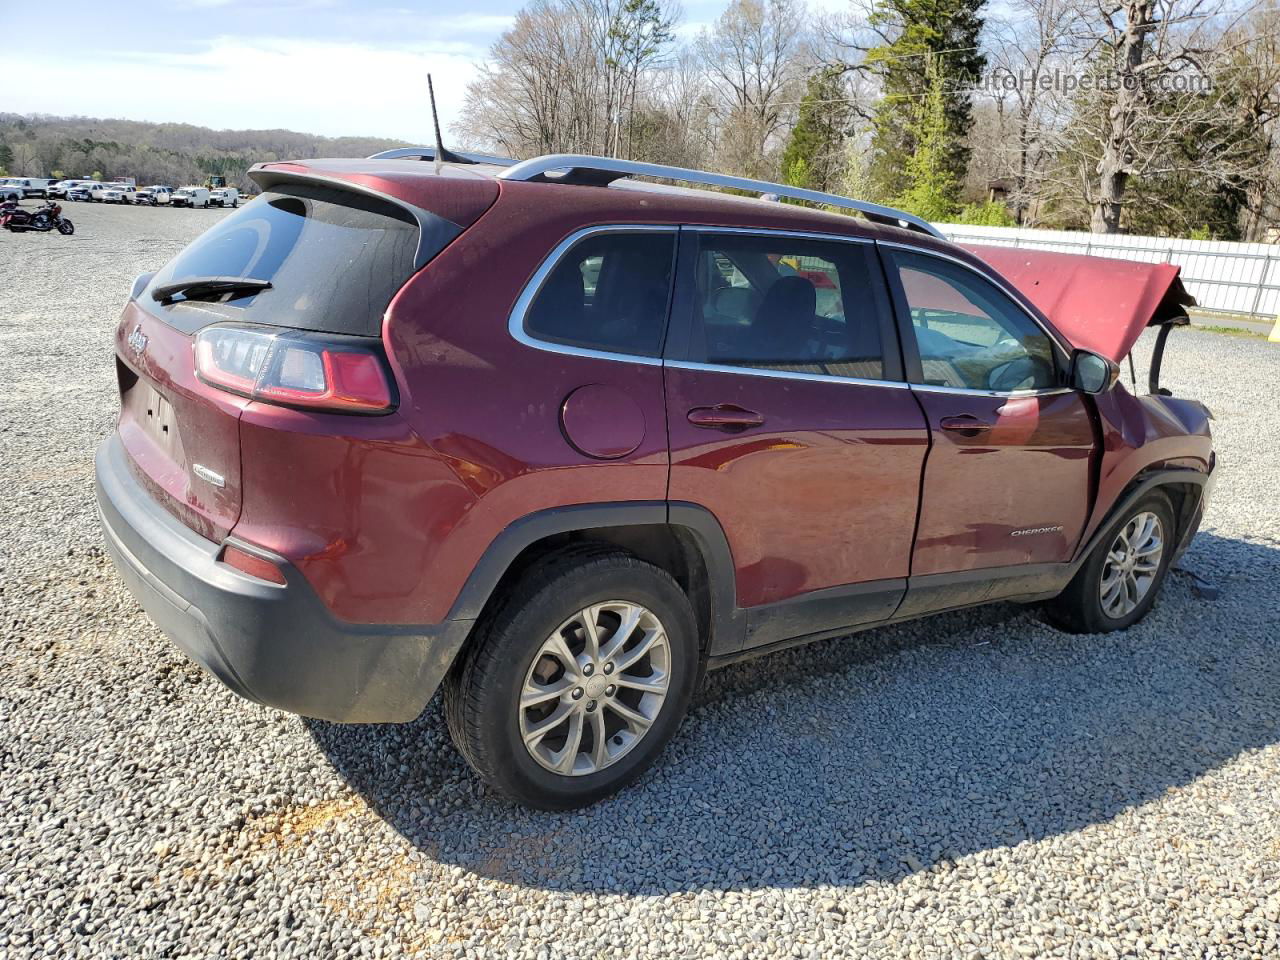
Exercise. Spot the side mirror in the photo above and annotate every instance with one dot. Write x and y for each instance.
(1092, 372)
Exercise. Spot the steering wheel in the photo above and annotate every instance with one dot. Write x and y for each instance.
(1021, 373)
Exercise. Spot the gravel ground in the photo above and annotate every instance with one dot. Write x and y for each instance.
(975, 785)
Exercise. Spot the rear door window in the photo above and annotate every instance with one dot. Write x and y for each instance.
(608, 292)
(795, 305)
(334, 260)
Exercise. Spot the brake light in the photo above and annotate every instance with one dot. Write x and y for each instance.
(295, 368)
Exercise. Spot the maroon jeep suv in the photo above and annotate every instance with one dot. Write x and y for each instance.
(558, 439)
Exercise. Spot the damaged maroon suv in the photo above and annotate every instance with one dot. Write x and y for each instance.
(558, 439)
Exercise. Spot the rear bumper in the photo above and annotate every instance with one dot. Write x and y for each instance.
(276, 645)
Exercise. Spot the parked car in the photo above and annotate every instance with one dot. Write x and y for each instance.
(190, 197)
(561, 446)
(59, 189)
(10, 191)
(225, 197)
(30, 186)
(154, 195)
(82, 191)
(98, 191)
(118, 193)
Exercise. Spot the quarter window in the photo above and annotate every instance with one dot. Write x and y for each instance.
(969, 333)
(609, 292)
(788, 304)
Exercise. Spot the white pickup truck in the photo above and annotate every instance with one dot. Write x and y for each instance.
(154, 195)
(190, 197)
(225, 197)
(117, 193)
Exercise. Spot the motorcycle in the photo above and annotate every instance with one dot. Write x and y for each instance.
(45, 218)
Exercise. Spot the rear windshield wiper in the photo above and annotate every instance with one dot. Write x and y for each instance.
(194, 287)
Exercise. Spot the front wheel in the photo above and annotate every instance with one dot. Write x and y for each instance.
(66, 227)
(575, 684)
(1117, 585)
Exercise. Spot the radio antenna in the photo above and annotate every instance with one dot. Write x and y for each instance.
(442, 155)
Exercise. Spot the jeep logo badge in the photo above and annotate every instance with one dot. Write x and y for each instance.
(137, 340)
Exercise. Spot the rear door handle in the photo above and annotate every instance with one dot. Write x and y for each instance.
(725, 416)
(964, 425)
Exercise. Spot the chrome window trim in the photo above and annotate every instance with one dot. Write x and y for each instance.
(1004, 286)
(782, 374)
(976, 392)
(515, 323)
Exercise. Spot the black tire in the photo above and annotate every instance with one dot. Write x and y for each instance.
(481, 693)
(66, 227)
(1079, 608)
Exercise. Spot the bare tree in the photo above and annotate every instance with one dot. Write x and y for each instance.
(1029, 47)
(1158, 60)
(752, 58)
(26, 162)
(1257, 76)
(675, 117)
(566, 77)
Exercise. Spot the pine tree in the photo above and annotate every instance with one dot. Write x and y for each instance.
(932, 186)
(947, 30)
(814, 155)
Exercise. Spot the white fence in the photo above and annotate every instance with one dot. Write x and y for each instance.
(1232, 277)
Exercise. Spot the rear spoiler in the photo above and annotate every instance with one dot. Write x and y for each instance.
(434, 231)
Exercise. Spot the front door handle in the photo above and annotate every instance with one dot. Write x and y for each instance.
(965, 425)
(725, 416)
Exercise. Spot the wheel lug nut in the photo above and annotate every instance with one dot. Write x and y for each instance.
(588, 670)
(591, 706)
(577, 693)
(610, 690)
(608, 668)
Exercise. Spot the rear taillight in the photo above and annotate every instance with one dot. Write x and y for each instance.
(295, 368)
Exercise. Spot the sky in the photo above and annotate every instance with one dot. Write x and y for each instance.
(329, 67)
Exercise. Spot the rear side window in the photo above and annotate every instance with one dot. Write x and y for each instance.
(334, 260)
(609, 292)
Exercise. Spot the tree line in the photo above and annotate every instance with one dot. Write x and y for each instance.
(1143, 116)
(172, 153)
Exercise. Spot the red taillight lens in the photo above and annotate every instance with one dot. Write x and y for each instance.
(295, 368)
(252, 564)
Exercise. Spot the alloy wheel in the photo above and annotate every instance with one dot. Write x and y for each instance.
(1132, 563)
(595, 688)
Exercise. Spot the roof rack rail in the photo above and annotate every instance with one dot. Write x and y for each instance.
(601, 171)
(429, 153)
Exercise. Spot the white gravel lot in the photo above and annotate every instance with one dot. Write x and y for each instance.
(975, 785)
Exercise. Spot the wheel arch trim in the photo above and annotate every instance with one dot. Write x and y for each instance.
(1140, 486)
(728, 621)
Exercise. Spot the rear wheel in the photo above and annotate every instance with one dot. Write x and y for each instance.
(572, 688)
(1118, 584)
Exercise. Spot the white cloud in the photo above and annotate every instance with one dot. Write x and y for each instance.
(333, 88)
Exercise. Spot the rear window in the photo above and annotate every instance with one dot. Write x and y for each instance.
(334, 260)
